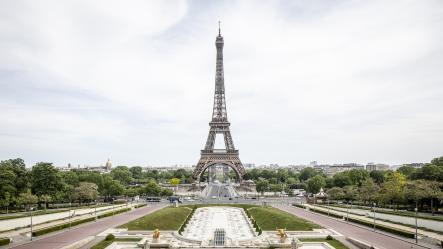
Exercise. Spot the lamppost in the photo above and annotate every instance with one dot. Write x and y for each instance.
(70, 215)
(328, 207)
(30, 210)
(347, 213)
(416, 226)
(373, 210)
(95, 210)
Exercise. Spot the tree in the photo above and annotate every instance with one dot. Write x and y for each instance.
(122, 174)
(368, 191)
(136, 172)
(46, 179)
(378, 176)
(307, 173)
(152, 189)
(86, 192)
(45, 199)
(316, 183)
(392, 188)
(71, 178)
(350, 192)
(27, 199)
(132, 192)
(358, 176)
(336, 193)
(341, 179)
(7, 187)
(408, 171)
(166, 192)
(112, 187)
(262, 186)
(18, 166)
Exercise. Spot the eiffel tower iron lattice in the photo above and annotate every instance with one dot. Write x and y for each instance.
(219, 125)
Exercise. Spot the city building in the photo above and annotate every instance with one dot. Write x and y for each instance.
(379, 166)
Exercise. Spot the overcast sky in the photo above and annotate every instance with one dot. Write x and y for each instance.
(332, 81)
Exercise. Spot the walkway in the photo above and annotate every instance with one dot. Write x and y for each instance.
(68, 237)
(376, 239)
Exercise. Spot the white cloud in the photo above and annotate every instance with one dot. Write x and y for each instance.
(333, 82)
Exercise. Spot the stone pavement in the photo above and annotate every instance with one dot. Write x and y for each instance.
(67, 237)
(421, 232)
(377, 239)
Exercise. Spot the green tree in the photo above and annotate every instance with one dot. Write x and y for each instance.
(86, 192)
(307, 173)
(315, 184)
(392, 188)
(45, 199)
(408, 171)
(342, 179)
(336, 193)
(18, 166)
(7, 187)
(26, 199)
(262, 186)
(112, 187)
(378, 176)
(71, 178)
(122, 174)
(152, 189)
(368, 191)
(136, 172)
(46, 179)
(166, 192)
(358, 176)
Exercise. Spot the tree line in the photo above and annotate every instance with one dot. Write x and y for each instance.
(44, 184)
(408, 186)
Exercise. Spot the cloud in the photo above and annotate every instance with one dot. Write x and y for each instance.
(332, 81)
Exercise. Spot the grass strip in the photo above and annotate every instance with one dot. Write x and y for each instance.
(5, 241)
(333, 242)
(62, 226)
(169, 218)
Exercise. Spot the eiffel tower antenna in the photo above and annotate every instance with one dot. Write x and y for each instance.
(219, 125)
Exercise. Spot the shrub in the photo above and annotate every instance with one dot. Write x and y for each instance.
(4, 241)
(140, 205)
(329, 237)
(110, 237)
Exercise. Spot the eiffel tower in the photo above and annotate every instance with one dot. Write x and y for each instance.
(219, 125)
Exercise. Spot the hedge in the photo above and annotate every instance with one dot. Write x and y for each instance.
(183, 226)
(140, 205)
(326, 212)
(4, 241)
(384, 228)
(59, 227)
(254, 223)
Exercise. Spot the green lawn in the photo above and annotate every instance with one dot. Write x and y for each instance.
(269, 218)
(335, 243)
(104, 243)
(169, 218)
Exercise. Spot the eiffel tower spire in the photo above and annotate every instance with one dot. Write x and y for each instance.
(219, 113)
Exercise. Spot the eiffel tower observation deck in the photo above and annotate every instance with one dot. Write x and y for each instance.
(219, 125)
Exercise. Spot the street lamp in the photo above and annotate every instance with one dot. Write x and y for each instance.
(416, 227)
(347, 213)
(69, 216)
(328, 207)
(30, 210)
(373, 209)
(95, 210)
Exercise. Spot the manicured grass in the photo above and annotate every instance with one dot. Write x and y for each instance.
(335, 243)
(169, 218)
(269, 218)
(104, 243)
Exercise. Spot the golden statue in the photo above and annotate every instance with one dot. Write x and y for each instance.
(282, 234)
(156, 234)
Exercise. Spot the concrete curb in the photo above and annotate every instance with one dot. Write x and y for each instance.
(360, 244)
(80, 243)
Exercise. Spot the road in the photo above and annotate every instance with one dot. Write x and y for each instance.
(378, 240)
(68, 237)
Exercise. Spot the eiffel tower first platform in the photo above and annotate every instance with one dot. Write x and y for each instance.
(219, 125)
